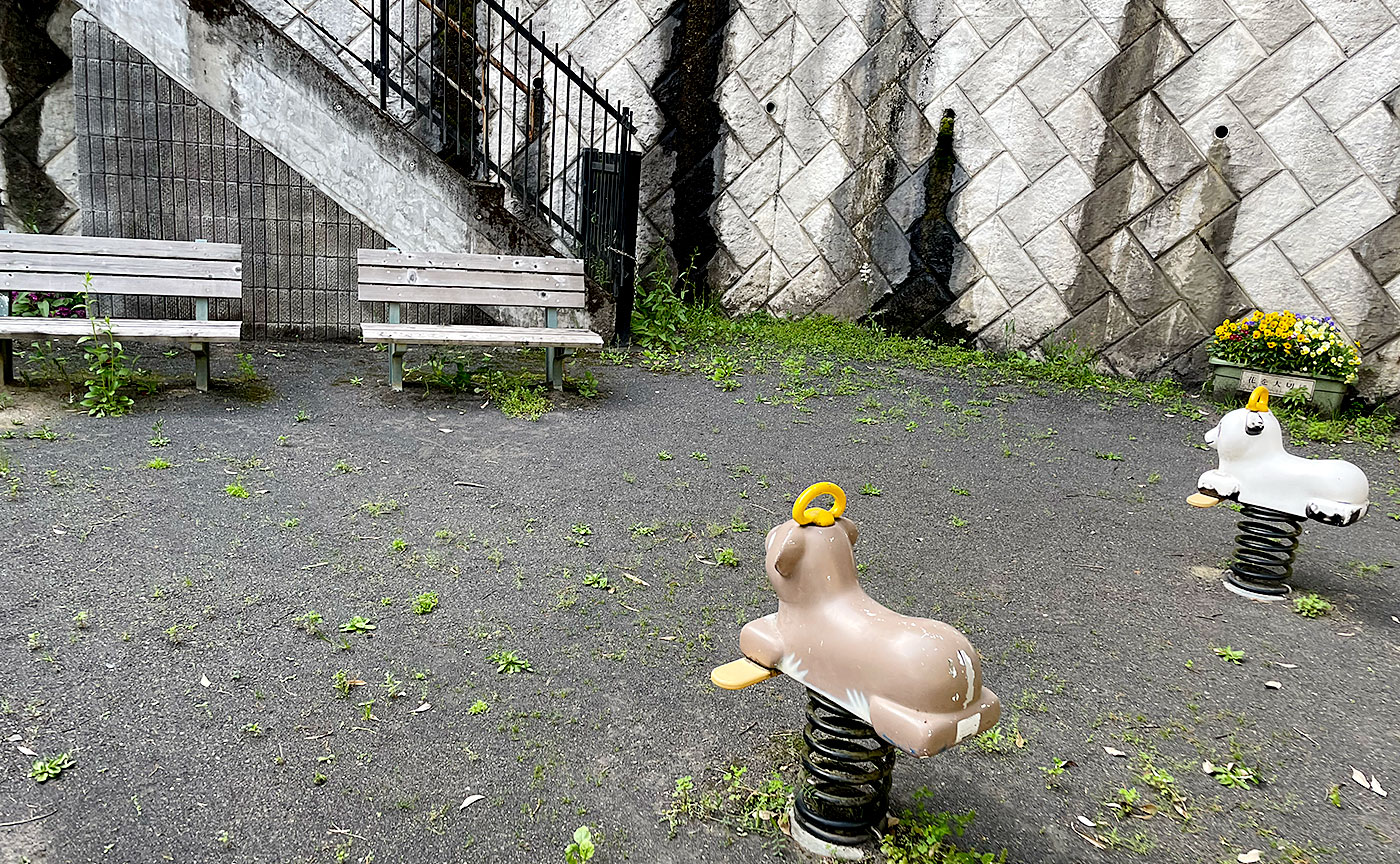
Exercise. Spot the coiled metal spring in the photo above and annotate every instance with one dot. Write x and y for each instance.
(844, 791)
(1265, 549)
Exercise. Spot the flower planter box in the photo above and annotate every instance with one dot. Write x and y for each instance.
(1326, 393)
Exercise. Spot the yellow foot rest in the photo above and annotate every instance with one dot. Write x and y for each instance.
(1201, 499)
(741, 673)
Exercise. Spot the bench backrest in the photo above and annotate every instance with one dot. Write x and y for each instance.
(168, 268)
(454, 277)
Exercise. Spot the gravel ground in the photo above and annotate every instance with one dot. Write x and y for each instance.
(1051, 529)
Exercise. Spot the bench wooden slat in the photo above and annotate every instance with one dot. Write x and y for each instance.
(447, 278)
(175, 287)
(117, 265)
(468, 261)
(438, 334)
(489, 296)
(121, 246)
(15, 327)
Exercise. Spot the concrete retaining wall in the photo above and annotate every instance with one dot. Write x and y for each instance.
(1128, 172)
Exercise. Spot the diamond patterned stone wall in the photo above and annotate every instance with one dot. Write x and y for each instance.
(1129, 172)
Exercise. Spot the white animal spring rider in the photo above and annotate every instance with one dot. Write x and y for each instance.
(1276, 492)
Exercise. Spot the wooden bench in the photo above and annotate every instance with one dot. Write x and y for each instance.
(161, 268)
(395, 277)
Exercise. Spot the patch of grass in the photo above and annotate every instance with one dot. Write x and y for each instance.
(425, 603)
(236, 490)
(924, 836)
(726, 557)
(479, 707)
(737, 803)
(1108, 456)
(158, 464)
(1312, 606)
(870, 489)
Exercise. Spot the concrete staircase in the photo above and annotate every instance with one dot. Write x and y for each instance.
(308, 109)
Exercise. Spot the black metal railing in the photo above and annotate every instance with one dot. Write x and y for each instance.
(496, 102)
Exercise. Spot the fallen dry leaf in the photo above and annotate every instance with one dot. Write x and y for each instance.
(470, 800)
(204, 680)
(1250, 857)
(635, 579)
(1114, 751)
(1207, 767)
(1092, 840)
(1273, 685)
(1287, 665)
(1376, 787)
(26, 751)
(421, 708)
(15, 737)
(1359, 779)
(1086, 822)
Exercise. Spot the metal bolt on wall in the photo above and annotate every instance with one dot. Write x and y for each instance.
(877, 681)
(1277, 491)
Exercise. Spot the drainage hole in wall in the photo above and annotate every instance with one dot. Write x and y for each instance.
(771, 107)
(1221, 131)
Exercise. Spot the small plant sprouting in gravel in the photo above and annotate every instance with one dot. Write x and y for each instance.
(664, 456)
(173, 635)
(425, 603)
(1312, 606)
(726, 557)
(442, 534)
(480, 706)
(302, 416)
(1232, 775)
(581, 850)
(597, 580)
(36, 641)
(310, 622)
(358, 624)
(1230, 654)
(319, 779)
(158, 438)
(343, 467)
(642, 529)
(958, 522)
(158, 464)
(1334, 795)
(870, 489)
(1154, 478)
(1053, 772)
(340, 682)
(236, 490)
(1108, 456)
(699, 457)
(509, 662)
(398, 544)
(393, 685)
(253, 729)
(45, 769)
(579, 532)
(379, 508)
(81, 618)
(291, 523)
(956, 490)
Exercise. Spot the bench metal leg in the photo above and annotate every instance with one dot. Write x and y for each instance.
(7, 361)
(554, 367)
(201, 366)
(396, 353)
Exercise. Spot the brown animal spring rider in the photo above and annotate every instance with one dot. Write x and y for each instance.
(876, 680)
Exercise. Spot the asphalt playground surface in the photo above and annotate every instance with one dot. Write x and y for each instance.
(204, 724)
